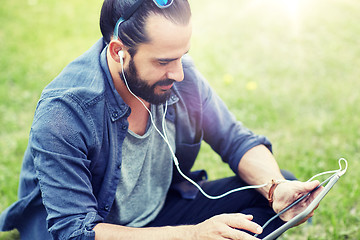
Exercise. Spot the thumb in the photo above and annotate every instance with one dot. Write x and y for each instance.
(311, 185)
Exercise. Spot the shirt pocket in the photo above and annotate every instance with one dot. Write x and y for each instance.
(186, 154)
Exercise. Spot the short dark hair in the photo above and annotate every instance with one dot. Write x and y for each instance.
(132, 31)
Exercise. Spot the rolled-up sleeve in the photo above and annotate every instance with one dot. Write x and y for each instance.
(227, 136)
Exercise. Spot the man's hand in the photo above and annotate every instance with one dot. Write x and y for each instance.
(286, 193)
(227, 226)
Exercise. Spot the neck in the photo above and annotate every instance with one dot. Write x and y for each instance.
(120, 86)
(139, 115)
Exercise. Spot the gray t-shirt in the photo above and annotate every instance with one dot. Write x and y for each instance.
(146, 174)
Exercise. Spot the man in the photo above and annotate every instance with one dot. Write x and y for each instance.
(106, 131)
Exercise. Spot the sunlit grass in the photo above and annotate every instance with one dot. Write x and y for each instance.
(287, 69)
(303, 60)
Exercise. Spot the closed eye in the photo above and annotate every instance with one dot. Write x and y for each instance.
(163, 63)
(166, 61)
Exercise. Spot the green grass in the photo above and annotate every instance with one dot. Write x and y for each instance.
(291, 77)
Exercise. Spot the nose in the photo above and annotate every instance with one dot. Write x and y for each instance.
(176, 71)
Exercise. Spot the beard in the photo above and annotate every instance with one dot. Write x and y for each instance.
(142, 89)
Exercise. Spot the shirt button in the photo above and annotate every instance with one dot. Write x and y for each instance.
(107, 207)
(124, 127)
(115, 114)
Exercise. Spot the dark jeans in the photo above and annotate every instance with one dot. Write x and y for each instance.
(179, 211)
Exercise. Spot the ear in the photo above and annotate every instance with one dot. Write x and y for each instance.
(114, 47)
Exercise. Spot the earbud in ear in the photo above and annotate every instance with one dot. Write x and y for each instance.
(121, 56)
(121, 53)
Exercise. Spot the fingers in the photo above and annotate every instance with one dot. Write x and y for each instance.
(300, 189)
(238, 222)
(239, 235)
(308, 186)
(228, 226)
(241, 221)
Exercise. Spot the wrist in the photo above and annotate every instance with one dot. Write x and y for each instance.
(273, 185)
(181, 232)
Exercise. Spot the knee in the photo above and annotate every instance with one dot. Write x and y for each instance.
(288, 175)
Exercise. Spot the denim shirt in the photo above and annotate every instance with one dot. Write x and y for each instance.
(72, 164)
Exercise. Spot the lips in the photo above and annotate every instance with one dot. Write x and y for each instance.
(166, 87)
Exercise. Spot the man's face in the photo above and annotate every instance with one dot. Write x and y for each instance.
(142, 89)
(156, 65)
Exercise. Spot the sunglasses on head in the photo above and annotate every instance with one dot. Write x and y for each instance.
(128, 13)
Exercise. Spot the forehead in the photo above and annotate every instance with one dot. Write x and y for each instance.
(167, 39)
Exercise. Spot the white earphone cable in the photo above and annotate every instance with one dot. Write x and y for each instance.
(176, 162)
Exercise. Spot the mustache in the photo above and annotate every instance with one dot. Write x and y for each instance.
(165, 82)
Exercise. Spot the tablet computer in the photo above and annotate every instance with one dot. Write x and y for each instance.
(306, 212)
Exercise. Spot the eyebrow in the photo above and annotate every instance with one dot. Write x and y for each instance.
(170, 59)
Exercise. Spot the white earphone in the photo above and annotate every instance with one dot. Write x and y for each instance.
(164, 136)
(121, 55)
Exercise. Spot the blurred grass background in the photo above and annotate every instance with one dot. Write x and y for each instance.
(288, 69)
